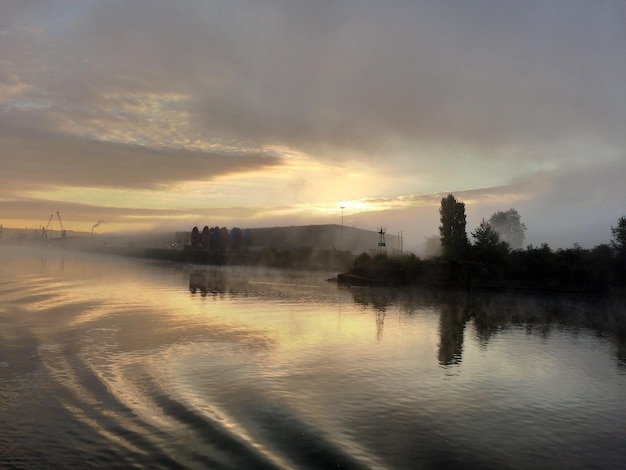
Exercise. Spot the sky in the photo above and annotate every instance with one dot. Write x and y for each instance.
(159, 115)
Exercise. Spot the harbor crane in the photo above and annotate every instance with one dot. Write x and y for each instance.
(44, 231)
(61, 225)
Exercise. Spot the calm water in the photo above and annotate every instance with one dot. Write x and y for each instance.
(108, 362)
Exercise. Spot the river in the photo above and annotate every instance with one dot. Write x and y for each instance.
(112, 362)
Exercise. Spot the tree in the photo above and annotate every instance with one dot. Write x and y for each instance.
(510, 227)
(618, 242)
(485, 235)
(488, 245)
(247, 237)
(432, 246)
(214, 239)
(452, 228)
(195, 236)
(618, 245)
(224, 239)
(236, 239)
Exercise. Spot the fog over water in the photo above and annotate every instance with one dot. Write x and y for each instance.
(121, 363)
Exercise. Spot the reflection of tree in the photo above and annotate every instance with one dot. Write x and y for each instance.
(486, 326)
(539, 315)
(452, 320)
(380, 324)
(207, 282)
(214, 281)
(493, 313)
(451, 327)
(621, 353)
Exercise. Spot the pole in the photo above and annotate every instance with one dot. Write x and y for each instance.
(342, 208)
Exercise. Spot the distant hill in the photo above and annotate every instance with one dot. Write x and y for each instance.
(321, 237)
(317, 237)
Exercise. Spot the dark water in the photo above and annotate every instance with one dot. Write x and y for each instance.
(109, 362)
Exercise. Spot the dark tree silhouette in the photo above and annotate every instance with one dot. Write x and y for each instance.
(488, 245)
(247, 237)
(195, 237)
(214, 239)
(618, 245)
(485, 235)
(224, 239)
(452, 228)
(618, 242)
(510, 227)
(204, 238)
(236, 239)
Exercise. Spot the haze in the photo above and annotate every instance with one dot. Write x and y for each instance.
(164, 115)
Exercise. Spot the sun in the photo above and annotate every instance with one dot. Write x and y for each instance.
(354, 206)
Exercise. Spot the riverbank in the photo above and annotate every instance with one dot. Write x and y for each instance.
(304, 258)
(521, 272)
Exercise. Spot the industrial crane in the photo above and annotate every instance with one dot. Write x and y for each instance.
(44, 231)
(61, 224)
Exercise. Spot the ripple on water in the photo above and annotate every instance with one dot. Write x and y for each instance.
(134, 371)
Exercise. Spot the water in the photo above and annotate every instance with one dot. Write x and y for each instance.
(120, 363)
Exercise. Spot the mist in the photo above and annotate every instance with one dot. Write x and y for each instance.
(162, 117)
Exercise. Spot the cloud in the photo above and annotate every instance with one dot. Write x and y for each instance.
(420, 97)
(351, 76)
(40, 160)
(84, 216)
(577, 204)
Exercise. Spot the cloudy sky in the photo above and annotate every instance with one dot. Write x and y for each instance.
(158, 114)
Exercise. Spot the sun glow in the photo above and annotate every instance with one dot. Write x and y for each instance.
(355, 206)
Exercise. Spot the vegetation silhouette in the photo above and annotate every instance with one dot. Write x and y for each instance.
(453, 236)
(509, 226)
(489, 263)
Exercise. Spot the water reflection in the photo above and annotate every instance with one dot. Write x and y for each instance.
(377, 299)
(283, 370)
(452, 321)
(59, 268)
(492, 314)
(453, 314)
(380, 324)
(215, 281)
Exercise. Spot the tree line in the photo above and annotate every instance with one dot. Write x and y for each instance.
(220, 240)
(494, 258)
